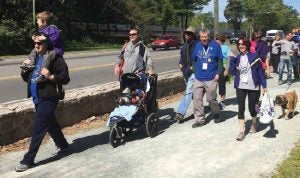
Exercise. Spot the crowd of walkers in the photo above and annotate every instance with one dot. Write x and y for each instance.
(207, 63)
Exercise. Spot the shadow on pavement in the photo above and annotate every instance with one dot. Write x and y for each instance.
(141, 133)
(168, 114)
(231, 101)
(271, 133)
(224, 115)
(80, 145)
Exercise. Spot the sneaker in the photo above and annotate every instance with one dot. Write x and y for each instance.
(178, 116)
(40, 78)
(280, 82)
(59, 151)
(198, 124)
(289, 83)
(22, 167)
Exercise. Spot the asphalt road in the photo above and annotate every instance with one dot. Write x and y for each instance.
(86, 69)
(179, 151)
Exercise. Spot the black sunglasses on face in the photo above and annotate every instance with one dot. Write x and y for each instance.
(132, 34)
(188, 34)
(38, 43)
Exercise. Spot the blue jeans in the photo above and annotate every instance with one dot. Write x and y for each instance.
(296, 67)
(289, 64)
(187, 97)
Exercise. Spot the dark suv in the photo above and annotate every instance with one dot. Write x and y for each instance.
(235, 37)
(165, 42)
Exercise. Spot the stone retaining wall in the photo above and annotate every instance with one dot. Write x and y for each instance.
(79, 104)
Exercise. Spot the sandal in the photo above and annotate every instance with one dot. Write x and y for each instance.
(241, 136)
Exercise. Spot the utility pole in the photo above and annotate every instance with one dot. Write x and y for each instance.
(33, 11)
(216, 16)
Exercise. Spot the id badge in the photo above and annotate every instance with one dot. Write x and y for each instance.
(204, 66)
(244, 78)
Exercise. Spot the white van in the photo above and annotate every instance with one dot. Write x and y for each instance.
(270, 34)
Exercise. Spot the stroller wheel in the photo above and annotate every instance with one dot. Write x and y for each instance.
(152, 125)
(115, 136)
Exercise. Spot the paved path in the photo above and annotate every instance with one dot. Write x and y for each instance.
(179, 151)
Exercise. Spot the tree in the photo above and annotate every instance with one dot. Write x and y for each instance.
(15, 27)
(166, 14)
(206, 19)
(269, 14)
(234, 13)
(261, 15)
(186, 8)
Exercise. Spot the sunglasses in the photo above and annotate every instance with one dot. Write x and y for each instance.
(38, 43)
(132, 34)
(188, 34)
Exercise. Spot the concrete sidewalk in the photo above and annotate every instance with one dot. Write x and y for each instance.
(178, 151)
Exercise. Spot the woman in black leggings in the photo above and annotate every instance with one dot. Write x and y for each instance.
(249, 77)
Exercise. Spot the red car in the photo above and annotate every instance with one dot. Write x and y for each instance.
(165, 42)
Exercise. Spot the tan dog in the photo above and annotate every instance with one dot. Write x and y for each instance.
(287, 101)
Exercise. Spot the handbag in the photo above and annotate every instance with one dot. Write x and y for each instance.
(121, 67)
(266, 110)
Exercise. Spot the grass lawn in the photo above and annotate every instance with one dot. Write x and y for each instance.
(290, 168)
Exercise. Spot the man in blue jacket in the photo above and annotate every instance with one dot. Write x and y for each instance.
(209, 66)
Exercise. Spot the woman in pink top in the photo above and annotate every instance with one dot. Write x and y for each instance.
(252, 46)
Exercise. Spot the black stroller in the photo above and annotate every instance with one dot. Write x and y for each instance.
(136, 107)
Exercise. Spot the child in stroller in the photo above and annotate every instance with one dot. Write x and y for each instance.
(136, 106)
(131, 96)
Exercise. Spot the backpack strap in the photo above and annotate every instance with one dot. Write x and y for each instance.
(142, 50)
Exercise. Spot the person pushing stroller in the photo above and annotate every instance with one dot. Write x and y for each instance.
(135, 55)
(136, 105)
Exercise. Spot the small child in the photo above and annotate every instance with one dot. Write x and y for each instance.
(53, 34)
(139, 94)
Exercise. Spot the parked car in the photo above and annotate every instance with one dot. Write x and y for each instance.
(233, 39)
(165, 42)
(236, 35)
(270, 34)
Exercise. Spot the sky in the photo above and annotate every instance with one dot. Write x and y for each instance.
(222, 4)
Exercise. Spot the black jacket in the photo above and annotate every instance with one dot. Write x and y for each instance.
(185, 57)
(59, 69)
